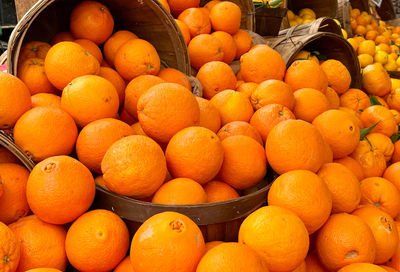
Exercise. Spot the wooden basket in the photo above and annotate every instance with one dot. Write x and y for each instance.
(344, 15)
(7, 141)
(386, 10)
(333, 46)
(146, 18)
(323, 24)
(248, 12)
(362, 5)
(322, 8)
(269, 20)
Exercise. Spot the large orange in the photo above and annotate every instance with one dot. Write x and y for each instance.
(352, 165)
(196, 20)
(166, 109)
(92, 48)
(97, 241)
(338, 76)
(354, 115)
(376, 80)
(309, 103)
(44, 270)
(226, 16)
(392, 173)
(212, 244)
(90, 98)
(11, 254)
(382, 143)
(233, 257)
(45, 100)
(60, 184)
(384, 231)
(343, 185)
(239, 128)
(244, 162)
(298, 191)
(306, 69)
(134, 166)
(351, 238)
(180, 191)
(294, 145)
(365, 267)
(66, 61)
(172, 75)
(219, 191)
(84, 26)
(232, 106)
(195, 153)
(372, 161)
(209, 115)
(244, 42)
(395, 260)
(95, 139)
(33, 49)
(177, 6)
(200, 54)
(381, 193)
(184, 30)
(13, 203)
(262, 63)
(45, 131)
(114, 43)
(273, 92)
(12, 103)
(247, 88)
(270, 226)
(396, 153)
(393, 99)
(42, 244)
(215, 77)
(174, 238)
(137, 57)
(339, 130)
(116, 80)
(32, 73)
(386, 124)
(228, 45)
(355, 99)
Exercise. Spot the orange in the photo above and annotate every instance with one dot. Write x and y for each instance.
(211, 4)
(387, 125)
(126, 117)
(360, 30)
(372, 160)
(34, 49)
(100, 181)
(367, 267)
(396, 153)
(393, 99)
(195, 153)
(10, 254)
(354, 43)
(116, 80)
(97, 241)
(298, 191)
(328, 154)
(42, 244)
(136, 88)
(270, 226)
(339, 130)
(382, 101)
(355, 116)
(177, 6)
(387, 268)
(137, 57)
(137, 174)
(239, 128)
(367, 47)
(228, 45)
(197, 21)
(66, 61)
(295, 145)
(45, 100)
(376, 80)
(215, 77)
(44, 132)
(114, 43)
(62, 37)
(392, 173)
(351, 238)
(268, 117)
(180, 191)
(352, 165)
(384, 231)
(313, 264)
(382, 194)
(12, 104)
(301, 69)
(395, 260)
(32, 73)
(166, 109)
(338, 76)
(211, 245)
(91, 47)
(219, 191)
(396, 115)
(273, 92)
(381, 39)
(209, 115)
(371, 35)
(262, 63)
(50, 185)
(355, 13)
(226, 16)
(165, 4)
(232, 257)
(124, 266)
(13, 203)
(7, 156)
(95, 139)
(361, 20)
(172, 75)
(244, 163)
(355, 99)
(83, 26)
(90, 98)
(309, 103)
(174, 238)
(243, 42)
(184, 30)
(247, 88)
(343, 185)
(383, 143)
(333, 98)
(200, 54)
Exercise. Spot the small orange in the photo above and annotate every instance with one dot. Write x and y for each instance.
(12, 253)
(360, 30)
(395, 260)
(219, 191)
(352, 165)
(382, 143)
(116, 80)
(196, 20)
(381, 39)
(172, 75)
(177, 6)
(355, 99)
(367, 267)
(333, 98)
(393, 99)
(114, 43)
(313, 264)
(376, 80)
(209, 115)
(211, 4)
(338, 76)
(355, 116)
(34, 49)
(200, 54)
(124, 266)
(243, 42)
(386, 124)
(273, 92)
(228, 45)
(247, 88)
(180, 191)
(45, 100)
(239, 128)
(372, 160)
(396, 115)
(32, 73)
(371, 35)
(184, 30)
(396, 153)
(309, 103)
(91, 47)
(226, 16)
(392, 173)
(301, 69)
(100, 181)
(62, 37)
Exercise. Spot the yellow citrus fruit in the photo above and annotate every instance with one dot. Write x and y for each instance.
(367, 47)
(365, 60)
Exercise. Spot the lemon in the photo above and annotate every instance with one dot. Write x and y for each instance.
(293, 23)
(365, 60)
(344, 32)
(337, 21)
(395, 82)
(354, 43)
(308, 11)
(391, 64)
(299, 20)
(307, 17)
(367, 47)
(398, 62)
(304, 55)
(308, 21)
(381, 57)
(291, 15)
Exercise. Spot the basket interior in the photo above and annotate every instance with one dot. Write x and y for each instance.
(321, 7)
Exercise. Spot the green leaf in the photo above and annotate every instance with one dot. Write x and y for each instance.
(395, 137)
(364, 132)
(361, 110)
(319, 55)
(275, 3)
(374, 101)
(393, 43)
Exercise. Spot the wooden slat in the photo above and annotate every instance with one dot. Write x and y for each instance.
(22, 6)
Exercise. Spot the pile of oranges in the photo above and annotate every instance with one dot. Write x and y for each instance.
(115, 118)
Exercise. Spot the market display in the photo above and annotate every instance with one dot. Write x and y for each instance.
(298, 142)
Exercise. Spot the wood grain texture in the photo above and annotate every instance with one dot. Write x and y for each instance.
(22, 6)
